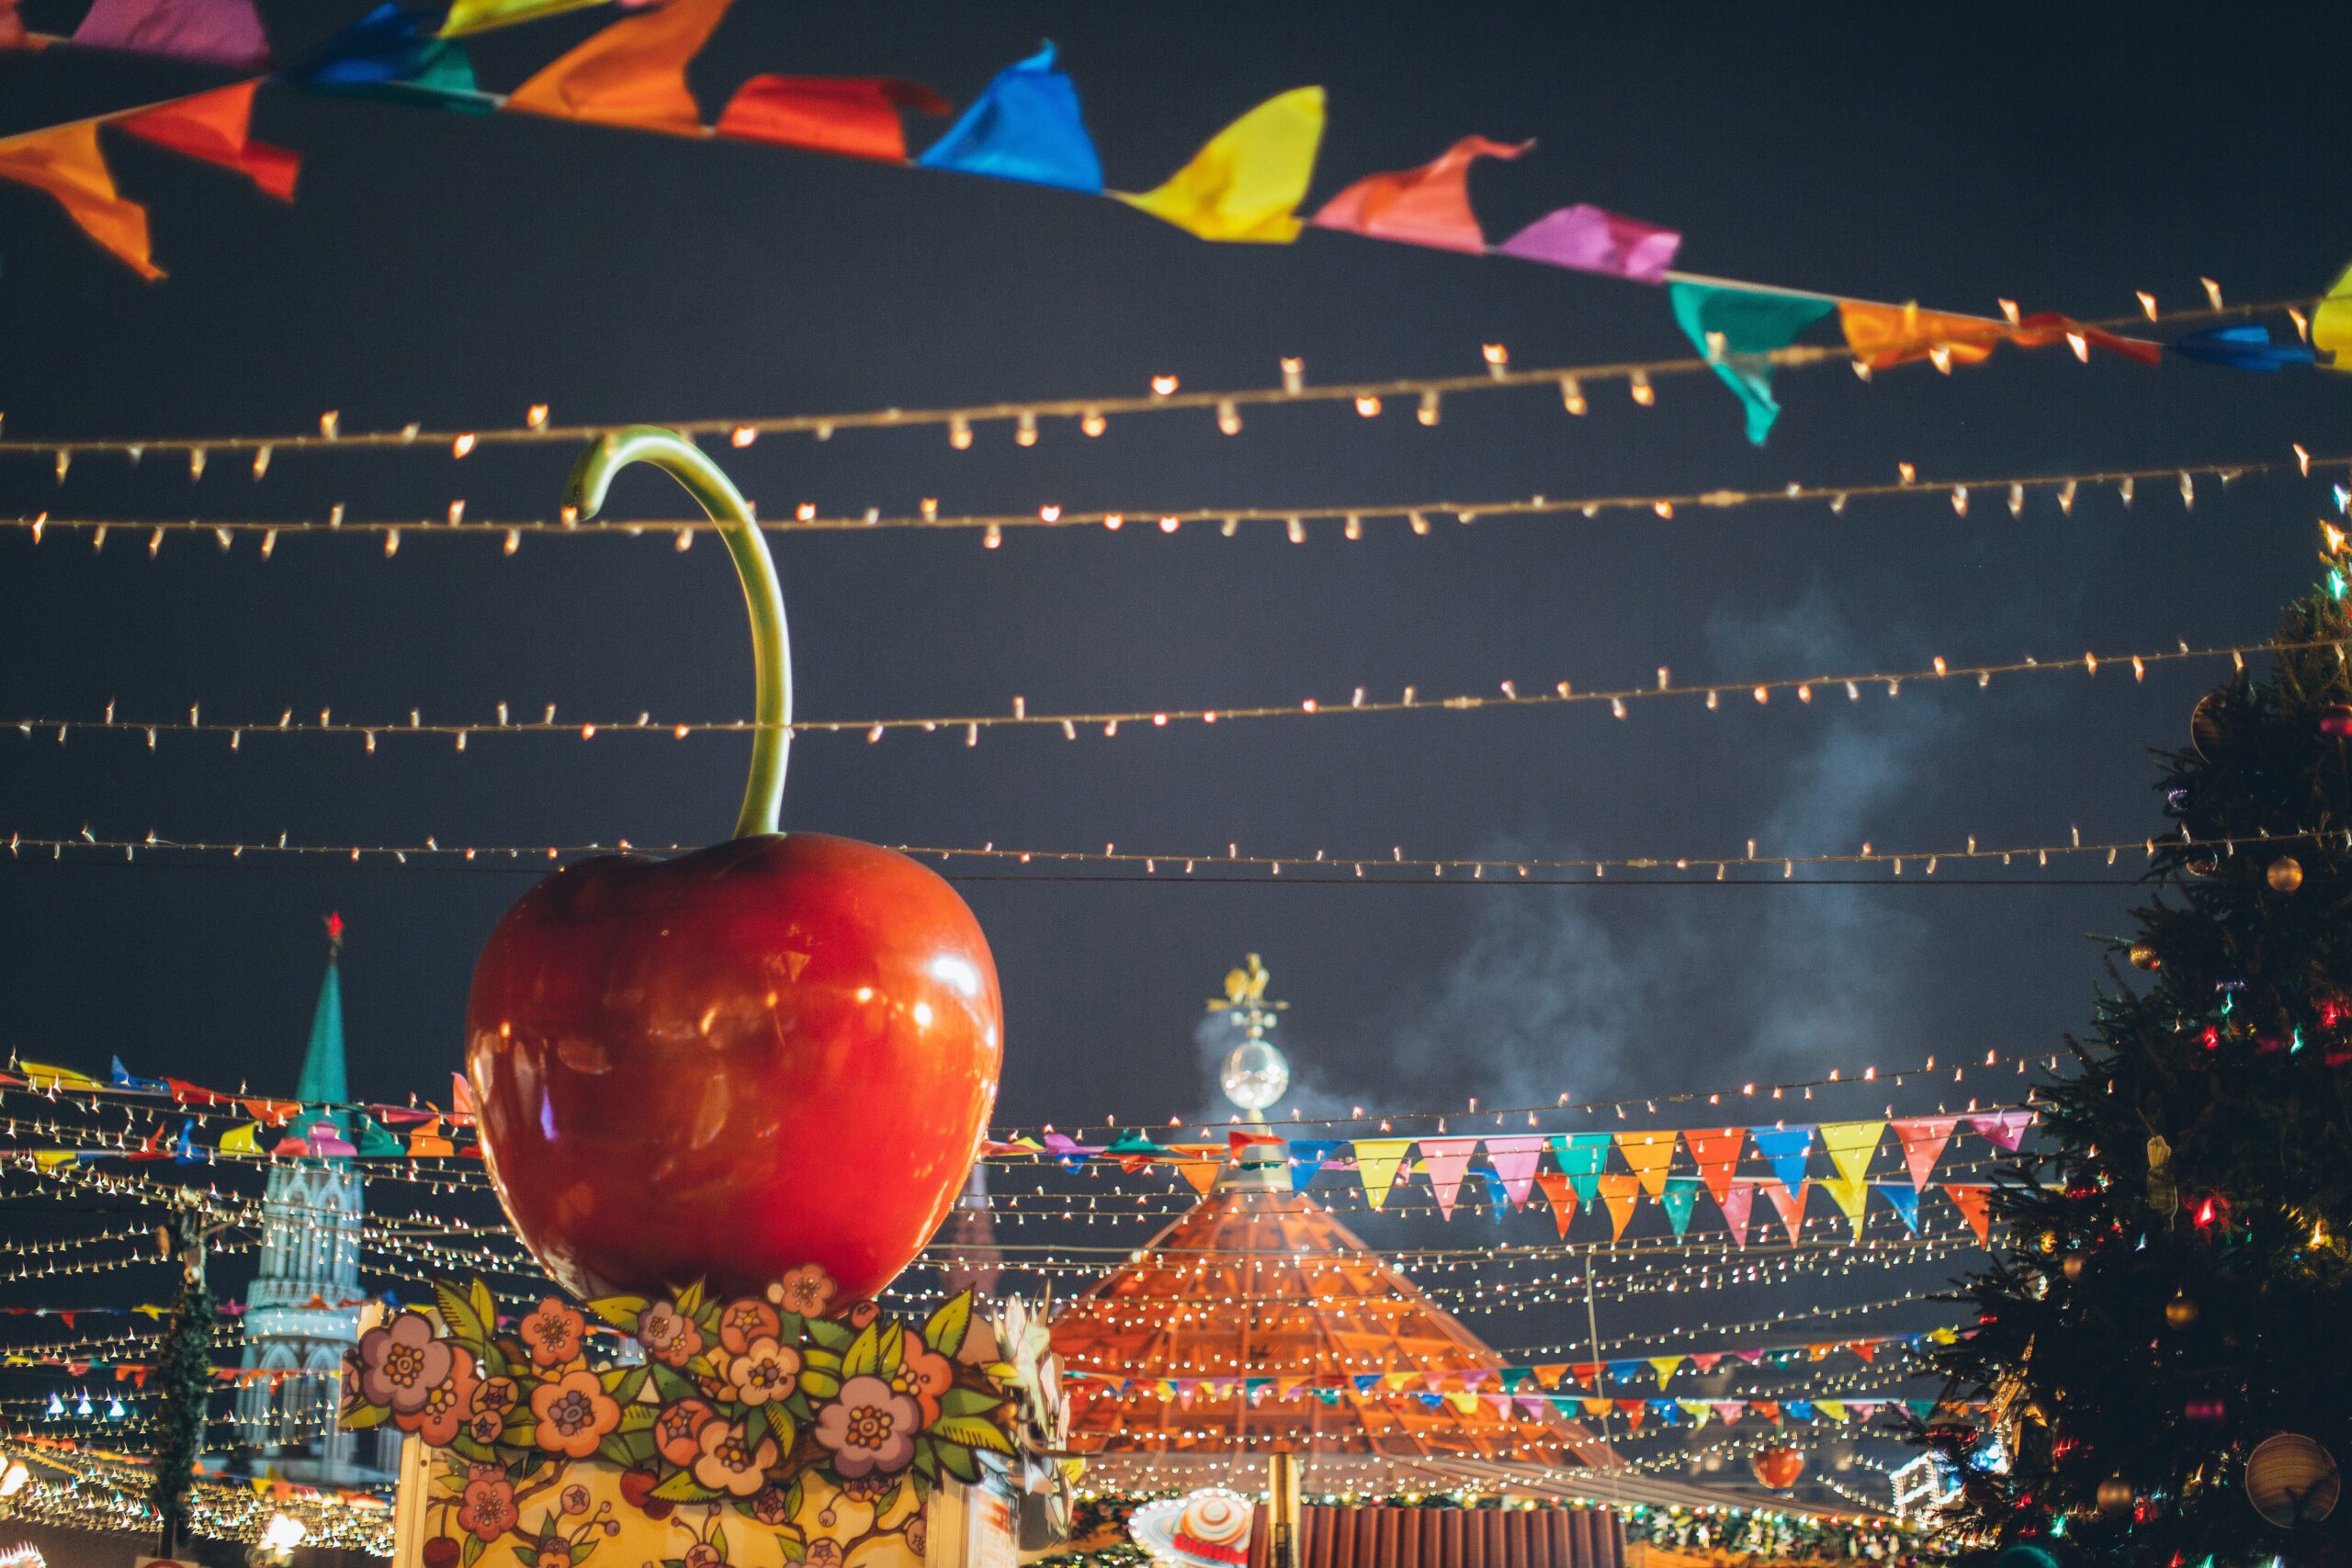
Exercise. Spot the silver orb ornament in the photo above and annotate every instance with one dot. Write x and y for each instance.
(1255, 1075)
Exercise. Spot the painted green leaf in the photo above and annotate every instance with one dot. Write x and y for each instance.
(820, 1384)
(971, 1433)
(473, 1553)
(614, 1451)
(795, 1550)
(367, 1415)
(485, 1305)
(458, 1315)
(889, 1351)
(943, 1331)
(926, 1461)
(638, 1416)
(833, 1334)
(690, 1299)
(621, 1312)
(670, 1382)
(681, 1488)
(969, 1401)
(958, 1462)
(863, 1355)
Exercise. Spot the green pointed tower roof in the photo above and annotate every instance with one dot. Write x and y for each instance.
(323, 1079)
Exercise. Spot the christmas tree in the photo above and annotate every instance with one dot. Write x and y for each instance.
(184, 1370)
(2157, 1339)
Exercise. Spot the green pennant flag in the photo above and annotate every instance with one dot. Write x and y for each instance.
(1725, 323)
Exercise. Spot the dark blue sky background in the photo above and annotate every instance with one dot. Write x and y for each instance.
(455, 271)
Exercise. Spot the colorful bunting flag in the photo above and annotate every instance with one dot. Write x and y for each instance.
(1727, 323)
(65, 161)
(1736, 1205)
(1581, 1156)
(632, 73)
(396, 54)
(1025, 126)
(1376, 1163)
(1448, 1160)
(1590, 240)
(2002, 1129)
(1247, 183)
(1790, 1201)
(1621, 1192)
(215, 127)
(2243, 347)
(215, 33)
(1515, 1157)
(1785, 1150)
(1974, 1205)
(1200, 1164)
(1428, 206)
(1850, 1146)
(850, 116)
(120, 1077)
(1906, 1203)
(1648, 1155)
(2332, 323)
(1923, 1139)
(1307, 1157)
(1717, 1155)
(1682, 1195)
(12, 28)
(480, 15)
(1882, 336)
(1562, 1196)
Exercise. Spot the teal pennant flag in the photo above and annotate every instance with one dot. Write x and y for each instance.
(1748, 322)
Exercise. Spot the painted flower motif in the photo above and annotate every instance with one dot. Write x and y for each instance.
(575, 1499)
(763, 1371)
(555, 1333)
(448, 1404)
(497, 1395)
(867, 1489)
(486, 1427)
(702, 1555)
(864, 1312)
(668, 1334)
(870, 1427)
(825, 1553)
(401, 1362)
(744, 1322)
(675, 1430)
(728, 1462)
(807, 1290)
(768, 1507)
(573, 1413)
(924, 1373)
(488, 1509)
(485, 1470)
(918, 1533)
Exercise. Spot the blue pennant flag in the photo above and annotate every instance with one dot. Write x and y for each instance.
(2246, 347)
(1306, 1159)
(1905, 1199)
(398, 54)
(1025, 126)
(1784, 1149)
(123, 1080)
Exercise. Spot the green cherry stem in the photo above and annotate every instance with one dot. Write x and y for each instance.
(584, 497)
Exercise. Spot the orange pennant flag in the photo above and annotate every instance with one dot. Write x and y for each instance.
(1428, 206)
(1885, 335)
(65, 161)
(1649, 1155)
(1205, 1164)
(1563, 1197)
(216, 127)
(1621, 1192)
(1718, 1155)
(633, 73)
(1974, 1205)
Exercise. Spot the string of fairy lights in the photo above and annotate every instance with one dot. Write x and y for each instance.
(1107, 723)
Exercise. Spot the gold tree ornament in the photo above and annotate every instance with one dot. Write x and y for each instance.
(2285, 875)
(2144, 957)
(2115, 1496)
(2180, 1312)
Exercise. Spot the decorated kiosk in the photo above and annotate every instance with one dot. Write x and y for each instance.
(665, 1055)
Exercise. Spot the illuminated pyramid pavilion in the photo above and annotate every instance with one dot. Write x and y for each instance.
(1256, 1324)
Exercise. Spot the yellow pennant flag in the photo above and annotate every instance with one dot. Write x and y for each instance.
(480, 15)
(1833, 1408)
(1851, 1194)
(1665, 1365)
(1850, 1146)
(1698, 1410)
(1247, 183)
(2332, 323)
(1648, 1155)
(40, 1074)
(1376, 1163)
(66, 164)
(240, 1140)
(633, 74)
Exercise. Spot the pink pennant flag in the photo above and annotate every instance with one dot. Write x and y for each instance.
(1790, 1203)
(1705, 1359)
(1589, 240)
(1730, 1410)
(1428, 206)
(1923, 1138)
(216, 32)
(1738, 1201)
(2002, 1129)
(1448, 1161)
(1514, 1158)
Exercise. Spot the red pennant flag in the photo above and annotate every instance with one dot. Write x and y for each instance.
(12, 28)
(1923, 1138)
(214, 127)
(195, 1094)
(1718, 1155)
(852, 117)
(1428, 206)
(1791, 1202)
(1976, 1204)
(1563, 1197)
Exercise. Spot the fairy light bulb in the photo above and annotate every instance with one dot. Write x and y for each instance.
(1572, 396)
(959, 433)
(1025, 429)
(1368, 406)
(1164, 386)
(1644, 394)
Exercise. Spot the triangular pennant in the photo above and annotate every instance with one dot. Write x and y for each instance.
(1562, 1196)
(1882, 336)
(2243, 347)
(215, 33)
(1582, 1156)
(1790, 1201)
(2332, 323)
(1428, 206)
(1738, 329)
(1905, 1201)
(1376, 1163)
(1784, 1149)
(632, 73)
(1682, 1195)
(1648, 1155)
(397, 54)
(1515, 1157)
(1448, 1160)
(1923, 1139)
(215, 127)
(1247, 182)
(1737, 1205)
(65, 161)
(850, 116)
(1025, 126)
(1851, 1145)
(1307, 1157)
(481, 15)
(1590, 240)
(1851, 1194)
(1717, 1154)
(1975, 1205)
(1699, 1410)
(1620, 1190)
(2002, 1129)
(1664, 1366)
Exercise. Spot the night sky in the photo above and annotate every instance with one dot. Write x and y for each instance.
(456, 270)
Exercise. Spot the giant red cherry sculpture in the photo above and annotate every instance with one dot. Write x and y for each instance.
(775, 1051)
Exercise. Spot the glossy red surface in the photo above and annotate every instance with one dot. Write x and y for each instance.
(773, 1052)
(1778, 1468)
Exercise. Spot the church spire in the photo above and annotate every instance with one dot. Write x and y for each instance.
(323, 1080)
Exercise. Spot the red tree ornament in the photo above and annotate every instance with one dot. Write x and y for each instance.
(1777, 1468)
(778, 1051)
